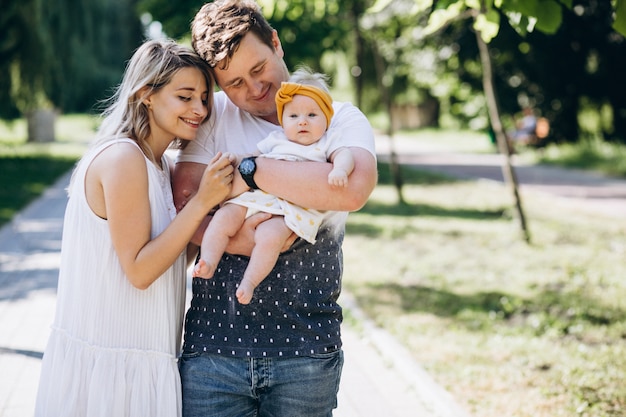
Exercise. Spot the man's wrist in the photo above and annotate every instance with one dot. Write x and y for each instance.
(247, 169)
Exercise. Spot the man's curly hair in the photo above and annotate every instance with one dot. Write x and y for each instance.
(219, 27)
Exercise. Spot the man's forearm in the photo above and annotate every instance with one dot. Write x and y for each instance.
(306, 183)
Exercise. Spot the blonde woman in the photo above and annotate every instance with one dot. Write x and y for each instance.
(121, 293)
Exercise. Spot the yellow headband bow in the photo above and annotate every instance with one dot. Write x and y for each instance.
(287, 90)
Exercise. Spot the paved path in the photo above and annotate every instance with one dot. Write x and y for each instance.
(380, 378)
(589, 191)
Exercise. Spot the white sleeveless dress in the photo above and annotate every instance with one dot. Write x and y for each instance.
(113, 348)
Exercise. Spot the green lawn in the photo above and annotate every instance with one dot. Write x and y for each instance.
(26, 169)
(607, 158)
(510, 329)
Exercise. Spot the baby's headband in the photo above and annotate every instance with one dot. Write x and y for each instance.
(287, 90)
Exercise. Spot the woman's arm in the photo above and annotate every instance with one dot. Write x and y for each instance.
(127, 209)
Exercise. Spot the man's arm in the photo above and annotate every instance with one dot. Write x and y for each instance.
(306, 183)
(185, 184)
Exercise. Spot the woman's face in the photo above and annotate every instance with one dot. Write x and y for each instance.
(178, 109)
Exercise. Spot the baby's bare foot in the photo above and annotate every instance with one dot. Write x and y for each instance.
(202, 270)
(244, 293)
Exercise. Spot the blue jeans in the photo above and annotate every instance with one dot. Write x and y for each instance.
(222, 386)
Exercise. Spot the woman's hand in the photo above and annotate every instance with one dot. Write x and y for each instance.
(216, 181)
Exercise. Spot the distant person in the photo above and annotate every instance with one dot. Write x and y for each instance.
(121, 293)
(304, 110)
(525, 128)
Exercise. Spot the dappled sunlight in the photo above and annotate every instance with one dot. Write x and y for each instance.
(38, 226)
(497, 320)
(32, 262)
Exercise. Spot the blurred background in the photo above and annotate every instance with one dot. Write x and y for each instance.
(564, 59)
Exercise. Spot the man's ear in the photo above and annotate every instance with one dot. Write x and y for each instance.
(278, 47)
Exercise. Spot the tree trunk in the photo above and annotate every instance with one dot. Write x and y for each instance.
(41, 125)
(356, 13)
(502, 141)
(396, 174)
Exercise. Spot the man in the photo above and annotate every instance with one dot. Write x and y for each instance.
(281, 354)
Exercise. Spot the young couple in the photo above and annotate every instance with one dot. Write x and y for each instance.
(114, 341)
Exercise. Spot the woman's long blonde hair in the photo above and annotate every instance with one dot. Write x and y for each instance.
(153, 65)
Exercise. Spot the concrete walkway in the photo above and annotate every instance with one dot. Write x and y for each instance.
(586, 190)
(380, 378)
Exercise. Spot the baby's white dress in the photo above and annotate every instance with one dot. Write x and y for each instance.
(302, 221)
(113, 348)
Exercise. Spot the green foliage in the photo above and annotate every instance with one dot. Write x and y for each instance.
(310, 28)
(523, 15)
(63, 54)
(175, 16)
(27, 169)
(90, 43)
(523, 36)
(22, 50)
(619, 24)
(594, 155)
(24, 178)
(307, 28)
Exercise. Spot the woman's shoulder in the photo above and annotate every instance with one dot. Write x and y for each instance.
(121, 150)
(118, 156)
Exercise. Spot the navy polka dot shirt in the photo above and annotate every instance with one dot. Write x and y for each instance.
(294, 311)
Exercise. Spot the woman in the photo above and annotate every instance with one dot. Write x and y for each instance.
(121, 293)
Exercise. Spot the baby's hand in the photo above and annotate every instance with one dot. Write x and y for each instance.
(338, 178)
(234, 161)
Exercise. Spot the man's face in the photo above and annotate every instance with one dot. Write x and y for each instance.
(253, 76)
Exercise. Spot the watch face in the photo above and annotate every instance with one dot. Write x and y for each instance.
(246, 167)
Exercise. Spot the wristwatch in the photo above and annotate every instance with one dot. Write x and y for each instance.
(247, 169)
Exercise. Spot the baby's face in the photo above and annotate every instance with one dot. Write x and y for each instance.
(303, 120)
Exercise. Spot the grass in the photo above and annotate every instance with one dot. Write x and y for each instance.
(604, 157)
(510, 329)
(27, 169)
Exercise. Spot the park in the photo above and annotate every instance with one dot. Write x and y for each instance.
(509, 297)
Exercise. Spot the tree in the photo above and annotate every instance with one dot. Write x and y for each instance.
(65, 54)
(90, 41)
(174, 16)
(21, 44)
(486, 17)
(382, 26)
(525, 16)
(307, 28)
